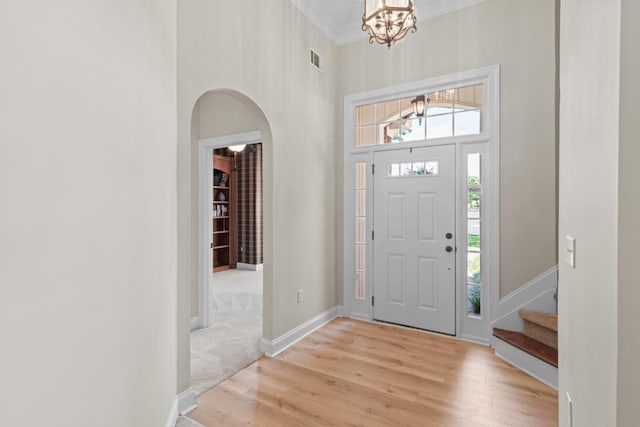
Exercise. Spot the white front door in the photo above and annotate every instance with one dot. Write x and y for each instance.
(414, 238)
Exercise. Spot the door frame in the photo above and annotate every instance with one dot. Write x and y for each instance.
(488, 142)
(205, 197)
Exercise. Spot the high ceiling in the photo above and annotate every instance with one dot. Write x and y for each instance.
(341, 20)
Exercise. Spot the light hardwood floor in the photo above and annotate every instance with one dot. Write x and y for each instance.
(352, 373)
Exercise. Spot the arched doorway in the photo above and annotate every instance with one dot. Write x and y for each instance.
(227, 324)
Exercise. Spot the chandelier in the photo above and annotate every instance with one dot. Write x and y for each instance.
(388, 21)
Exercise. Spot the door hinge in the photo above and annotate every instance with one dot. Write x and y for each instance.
(373, 235)
(211, 245)
(373, 169)
(373, 300)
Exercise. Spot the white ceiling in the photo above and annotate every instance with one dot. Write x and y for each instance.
(341, 20)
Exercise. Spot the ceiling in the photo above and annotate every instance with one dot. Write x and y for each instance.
(341, 20)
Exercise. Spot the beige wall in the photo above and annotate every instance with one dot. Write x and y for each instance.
(520, 36)
(265, 59)
(628, 226)
(588, 294)
(88, 212)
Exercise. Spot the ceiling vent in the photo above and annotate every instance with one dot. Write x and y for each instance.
(315, 59)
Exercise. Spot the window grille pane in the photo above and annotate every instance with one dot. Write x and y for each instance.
(361, 175)
(440, 126)
(469, 97)
(361, 230)
(361, 202)
(467, 123)
(413, 130)
(361, 257)
(388, 111)
(473, 169)
(474, 301)
(361, 285)
(366, 115)
(365, 136)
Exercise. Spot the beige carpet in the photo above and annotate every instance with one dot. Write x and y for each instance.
(232, 341)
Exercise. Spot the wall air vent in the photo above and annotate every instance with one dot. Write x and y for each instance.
(315, 59)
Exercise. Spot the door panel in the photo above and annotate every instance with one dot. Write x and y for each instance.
(414, 208)
(426, 216)
(395, 278)
(426, 277)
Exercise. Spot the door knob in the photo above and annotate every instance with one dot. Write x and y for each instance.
(448, 248)
(448, 235)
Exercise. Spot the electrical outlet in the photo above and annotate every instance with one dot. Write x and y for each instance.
(570, 410)
(300, 295)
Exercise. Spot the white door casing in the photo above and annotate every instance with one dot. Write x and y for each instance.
(414, 242)
(205, 213)
(358, 286)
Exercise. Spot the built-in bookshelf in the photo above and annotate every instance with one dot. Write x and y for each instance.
(223, 241)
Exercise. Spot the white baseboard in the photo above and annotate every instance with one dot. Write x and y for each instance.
(186, 401)
(251, 267)
(533, 366)
(195, 323)
(182, 404)
(173, 414)
(536, 295)
(274, 347)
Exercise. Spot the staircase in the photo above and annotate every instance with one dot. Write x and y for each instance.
(535, 349)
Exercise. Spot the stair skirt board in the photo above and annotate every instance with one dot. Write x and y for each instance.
(536, 295)
(531, 365)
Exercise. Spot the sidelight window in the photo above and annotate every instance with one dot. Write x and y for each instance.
(473, 211)
(361, 229)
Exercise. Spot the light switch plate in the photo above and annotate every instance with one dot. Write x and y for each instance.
(571, 251)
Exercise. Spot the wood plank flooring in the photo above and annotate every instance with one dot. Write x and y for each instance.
(352, 373)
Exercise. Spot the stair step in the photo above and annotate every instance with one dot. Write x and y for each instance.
(540, 333)
(547, 320)
(528, 345)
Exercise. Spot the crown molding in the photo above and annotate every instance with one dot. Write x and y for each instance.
(316, 11)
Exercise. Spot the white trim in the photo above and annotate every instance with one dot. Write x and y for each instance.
(186, 401)
(182, 404)
(536, 295)
(489, 139)
(205, 184)
(533, 366)
(172, 419)
(274, 347)
(195, 323)
(253, 137)
(250, 267)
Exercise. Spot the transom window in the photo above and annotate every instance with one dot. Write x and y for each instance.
(448, 113)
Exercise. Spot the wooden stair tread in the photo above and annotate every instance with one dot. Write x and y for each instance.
(528, 345)
(548, 320)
